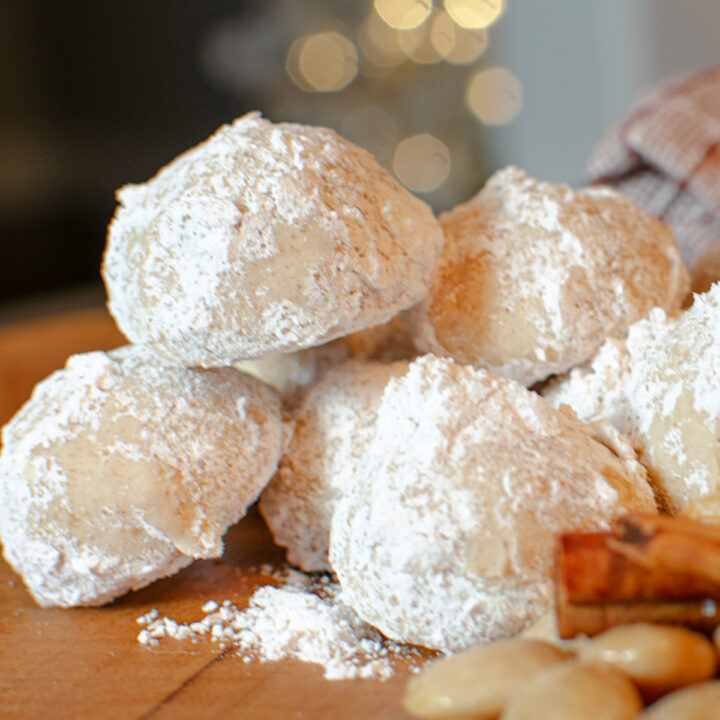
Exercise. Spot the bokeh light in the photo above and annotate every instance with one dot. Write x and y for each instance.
(494, 96)
(474, 14)
(443, 34)
(379, 43)
(322, 62)
(291, 65)
(403, 14)
(418, 46)
(468, 47)
(422, 163)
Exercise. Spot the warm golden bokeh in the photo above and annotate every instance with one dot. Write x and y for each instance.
(390, 47)
(469, 45)
(422, 162)
(291, 65)
(474, 14)
(494, 96)
(443, 33)
(379, 43)
(322, 62)
(403, 14)
(418, 45)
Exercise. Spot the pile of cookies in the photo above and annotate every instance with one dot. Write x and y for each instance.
(304, 330)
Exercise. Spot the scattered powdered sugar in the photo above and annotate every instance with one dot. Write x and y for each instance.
(305, 618)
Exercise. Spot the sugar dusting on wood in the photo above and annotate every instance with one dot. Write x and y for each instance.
(304, 618)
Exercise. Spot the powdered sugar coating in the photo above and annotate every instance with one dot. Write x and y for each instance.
(332, 426)
(118, 471)
(534, 276)
(445, 538)
(596, 390)
(668, 402)
(265, 238)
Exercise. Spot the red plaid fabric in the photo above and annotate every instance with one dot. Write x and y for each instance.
(665, 156)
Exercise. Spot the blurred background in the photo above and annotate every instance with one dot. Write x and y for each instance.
(98, 94)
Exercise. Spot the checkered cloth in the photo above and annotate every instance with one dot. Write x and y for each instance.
(665, 156)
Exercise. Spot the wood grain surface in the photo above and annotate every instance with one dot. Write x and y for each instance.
(86, 663)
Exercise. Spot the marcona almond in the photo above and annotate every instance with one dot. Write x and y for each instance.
(700, 702)
(575, 691)
(657, 658)
(478, 682)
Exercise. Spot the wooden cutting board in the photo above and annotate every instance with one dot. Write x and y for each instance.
(86, 663)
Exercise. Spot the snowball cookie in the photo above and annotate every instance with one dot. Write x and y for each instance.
(668, 400)
(265, 238)
(535, 275)
(290, 373)
(332, 426)
(118, 471)
(445, 537)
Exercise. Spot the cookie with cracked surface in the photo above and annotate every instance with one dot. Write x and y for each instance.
(662, 391)
(534, 276)
(265, 238)
(118, 471)
(445, 538)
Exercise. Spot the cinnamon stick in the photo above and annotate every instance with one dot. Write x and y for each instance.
(593, 618)
(648, 568)
(671, 544)
(590, 568)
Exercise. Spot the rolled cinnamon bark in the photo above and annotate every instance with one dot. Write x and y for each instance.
(593, 618)
(592, 568)
(610, 578)
(672, 544)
